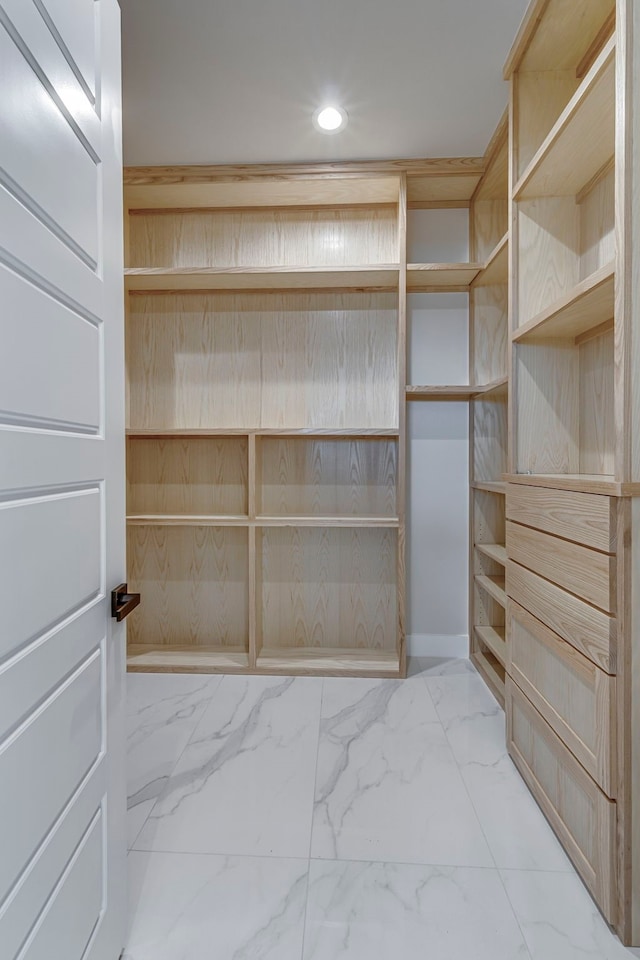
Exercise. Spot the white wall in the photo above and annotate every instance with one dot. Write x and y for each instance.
(437, 448)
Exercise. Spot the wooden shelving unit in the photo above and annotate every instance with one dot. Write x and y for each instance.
(265, 440)
(441, 277)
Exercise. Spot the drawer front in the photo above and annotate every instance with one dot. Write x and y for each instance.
(585, 518)
(588, 573)
(591, 631)
(575, 697)
(582, 816)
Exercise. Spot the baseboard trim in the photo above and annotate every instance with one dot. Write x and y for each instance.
(438, 645)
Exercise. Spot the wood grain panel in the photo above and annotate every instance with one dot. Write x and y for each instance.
(597, 226)
(597, 425)
(196, 475)
(256, 238)
(547, 391)
(194, 585)
(490, 438)
(580, 813)
(490, 223)
(589, 630)
(581, 570)
(490, 333)
(234, 361)
(493, 638)
(556, 34)
(301, 477)
(548, 253)
(328, 588)
(576, 698)
(579, 313)
(582, 517)
(488, 513)
(541, 99)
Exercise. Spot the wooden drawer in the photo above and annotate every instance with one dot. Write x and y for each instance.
(575, 697)
(591, 631)
(586, 572)
(585, 518)
(582, 816)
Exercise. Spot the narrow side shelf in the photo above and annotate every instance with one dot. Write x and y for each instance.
(496, 269)
(493, 638)
(494, 551)
(582, 139)
(495, 587)
(430, 277)
(461, 392)
(184, 520)
(184, 279)
(490, 486)
(589, 305)
(491, 671)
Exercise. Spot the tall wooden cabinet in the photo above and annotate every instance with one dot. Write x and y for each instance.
(572, 494)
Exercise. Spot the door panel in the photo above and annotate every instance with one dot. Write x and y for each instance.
(62, 795)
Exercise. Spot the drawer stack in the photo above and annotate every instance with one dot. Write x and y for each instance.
(560, 688)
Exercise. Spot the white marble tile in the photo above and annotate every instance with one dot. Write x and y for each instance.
(378, 911)
(387, 785)
(559, 919)
(244, 784)
(163, 711)
(472, 718)
(194, 907)
(517, 832)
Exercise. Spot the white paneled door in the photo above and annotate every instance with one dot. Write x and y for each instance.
(62, 839)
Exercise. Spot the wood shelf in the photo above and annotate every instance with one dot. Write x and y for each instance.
(328, 662)
(582, 139)
(441, 277)
(494, 551)
(185, 279)
(496, 269)
(491, 672)
(178, 520)
(337, 521)
(494, 586)
(463, 392)
(161, 659)
(499, 385)
(490, 486)
(494, 639)
(578, 483)
(589, 305)
(337, 432)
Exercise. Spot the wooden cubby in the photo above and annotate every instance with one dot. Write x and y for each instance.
(265, 360)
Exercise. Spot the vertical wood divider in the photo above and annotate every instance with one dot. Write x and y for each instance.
(473, 251)
(512, 317)
(402, 420)
(252, 480)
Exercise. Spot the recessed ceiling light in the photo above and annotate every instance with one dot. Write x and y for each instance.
(330, 119)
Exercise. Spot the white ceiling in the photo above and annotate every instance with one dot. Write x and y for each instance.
(237, 81)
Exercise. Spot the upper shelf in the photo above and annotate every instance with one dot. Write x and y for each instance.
(496, 269)
(581, 142)
(440, 277)
(589, 304)
(378, 277)
(457, 392)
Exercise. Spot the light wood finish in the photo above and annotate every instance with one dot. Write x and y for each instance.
(148, 658)
(578, 482)
(579, 569)
(587, 305)
(495, 551)
(575, 698)
(185, 279)
(597, 243)
(184, 476)
(441, 277)
(540, 98)
(588, 629)
(496, 269)
(490, 437)
(596, 400)
(490, 668)
(498, 486)
(494, 639)
(494, 586)
(234, 361)
(351, 432)
(330, 663)
(571, 155)
(187, 520)
(581, 517)
(402, 366)
(580, 813)
(313, 477)
(194, 584)
(328, 588)
(490, 333)
(549, 36)
(461, 392)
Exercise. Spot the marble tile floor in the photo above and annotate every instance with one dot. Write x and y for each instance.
(274, 818)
